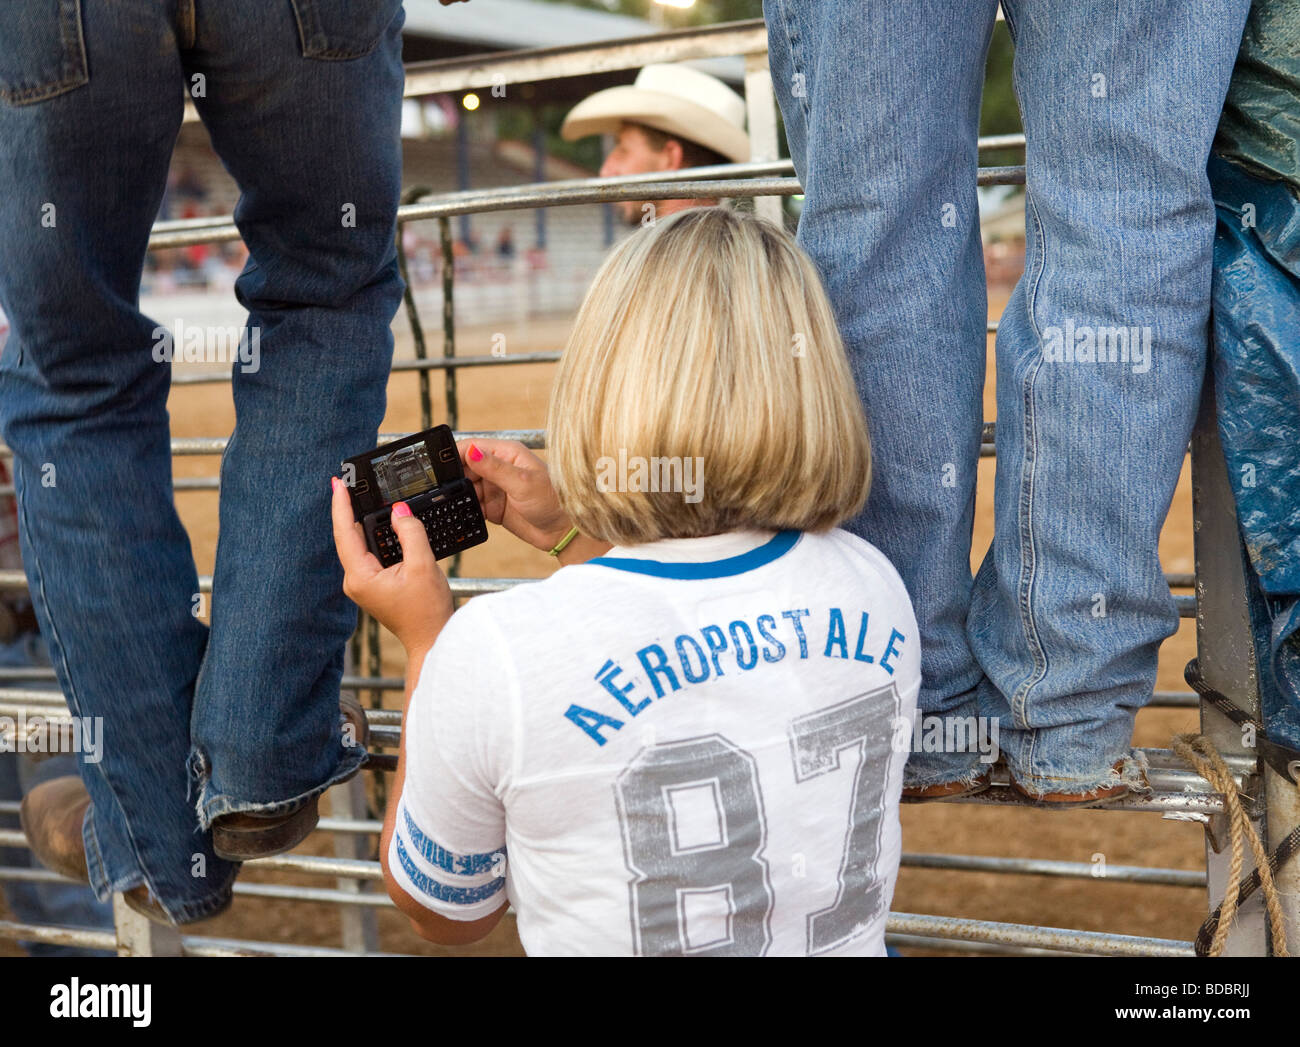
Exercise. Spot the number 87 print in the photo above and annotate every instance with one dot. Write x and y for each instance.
(712, 895)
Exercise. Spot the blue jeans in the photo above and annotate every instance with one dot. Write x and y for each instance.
(1056, 637)
(302, 101)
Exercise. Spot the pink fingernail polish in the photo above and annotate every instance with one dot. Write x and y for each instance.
(475, 455)
(334, 483)
(401, 509)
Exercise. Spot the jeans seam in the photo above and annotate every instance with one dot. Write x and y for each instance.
(1028, 559)
(1026, 496)
(96, 872)
(1010, 19)
(1025, 501)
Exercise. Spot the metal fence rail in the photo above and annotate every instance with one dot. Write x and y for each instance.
(1177, 792)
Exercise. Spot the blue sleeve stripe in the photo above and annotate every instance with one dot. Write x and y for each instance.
(460, 864)
(434, 889)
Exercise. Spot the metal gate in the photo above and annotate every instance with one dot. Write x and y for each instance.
(1219, 604)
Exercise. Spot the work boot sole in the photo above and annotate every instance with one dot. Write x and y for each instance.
(1062, 801)
(946, 790)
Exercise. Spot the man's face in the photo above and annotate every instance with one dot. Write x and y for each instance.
(633, 154)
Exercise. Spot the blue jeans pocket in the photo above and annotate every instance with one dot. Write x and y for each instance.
(42, 51)
(342, 29)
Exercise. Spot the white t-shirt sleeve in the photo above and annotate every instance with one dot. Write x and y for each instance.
(448, 847)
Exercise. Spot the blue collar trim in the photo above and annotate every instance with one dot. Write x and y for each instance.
(777, 546)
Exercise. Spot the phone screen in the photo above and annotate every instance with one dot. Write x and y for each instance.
(404, 473)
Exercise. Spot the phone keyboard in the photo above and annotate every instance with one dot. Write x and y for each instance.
(451, 523)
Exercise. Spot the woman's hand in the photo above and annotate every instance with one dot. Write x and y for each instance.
(514, 488)
(412, 598)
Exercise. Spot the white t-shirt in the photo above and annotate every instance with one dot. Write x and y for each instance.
(689, 746)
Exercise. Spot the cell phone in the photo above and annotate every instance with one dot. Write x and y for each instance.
(424, 471)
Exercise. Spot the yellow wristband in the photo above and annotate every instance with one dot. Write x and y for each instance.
(564, 542)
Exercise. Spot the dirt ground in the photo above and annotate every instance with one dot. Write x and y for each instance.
(515, 397)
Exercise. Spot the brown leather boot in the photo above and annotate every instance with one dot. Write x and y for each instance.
(1102, 794)
(247, 835)
(52, 815)
(946, 790)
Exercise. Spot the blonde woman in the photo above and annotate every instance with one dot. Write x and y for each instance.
(690, 738)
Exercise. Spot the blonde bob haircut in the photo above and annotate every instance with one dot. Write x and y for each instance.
(706, 349)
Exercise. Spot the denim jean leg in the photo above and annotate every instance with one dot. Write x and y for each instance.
(1100, 353)
(314, 144)
(881, 109)
(84, 410)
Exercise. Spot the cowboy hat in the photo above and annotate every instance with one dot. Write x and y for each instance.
(676, 99)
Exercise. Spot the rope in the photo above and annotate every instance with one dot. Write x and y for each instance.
(1200, 752)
